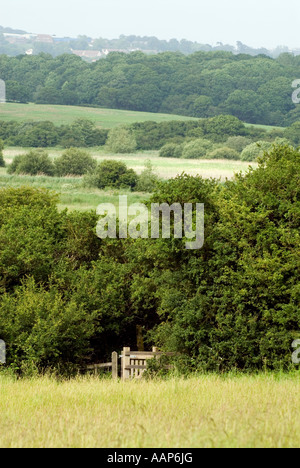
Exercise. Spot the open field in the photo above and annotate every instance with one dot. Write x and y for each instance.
(165, 167)
(74, 196)
(59, 115)
(268, 128)
(104, 118)
(203, 411)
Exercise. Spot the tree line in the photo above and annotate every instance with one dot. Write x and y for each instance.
(220, 137)
(255, 89)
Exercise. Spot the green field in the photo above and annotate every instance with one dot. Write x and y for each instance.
(104, 118)
(74, 196)
(201, 411)
(59, 115)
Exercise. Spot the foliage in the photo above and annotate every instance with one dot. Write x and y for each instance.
(74, 162)
(224, 153)
(110, 173)
(254, 150)
(239, 308)
(255, 89)
(171, 150)
(120, 140)
(238, 143)
(82, 133)
(292, 133)
(2, 162)
(67, 296)
(147, 179)
(197, 149)
(43, 329)
(35, 162)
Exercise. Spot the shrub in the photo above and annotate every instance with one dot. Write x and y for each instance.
(33, 163)
(224, 153)
(238, 143)
(147, 179)
(2, 162)
(121, 140)
(42, 328)
(111, 173)
(253, 151)
(197, 149)
(128, 179)
(74, 162)
(169, 150)
(29, 224)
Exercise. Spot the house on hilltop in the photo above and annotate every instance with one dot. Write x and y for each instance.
(88, 54)
(46, 38)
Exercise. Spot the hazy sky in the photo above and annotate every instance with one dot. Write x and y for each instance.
(257, 23)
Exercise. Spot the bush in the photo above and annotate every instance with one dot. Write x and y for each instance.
(74, 162)
(253, 151)
(238, 143)
(224, 153)
(29, 224)
(121, 140)
(42, 328)
(147, 179)
(197, 149)
(171, 150)
(33, 163)
(2, 162)
(111, 173)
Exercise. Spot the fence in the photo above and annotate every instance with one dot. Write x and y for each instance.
(113, 365)
(133, 363)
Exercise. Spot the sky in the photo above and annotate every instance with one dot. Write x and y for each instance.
(257, 23)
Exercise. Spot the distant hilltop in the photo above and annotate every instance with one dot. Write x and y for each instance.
(15, 42)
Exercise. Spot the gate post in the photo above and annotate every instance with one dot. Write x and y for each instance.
(125, 363)
(114, 361)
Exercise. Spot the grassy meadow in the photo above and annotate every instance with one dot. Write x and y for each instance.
(103, 118)
(201, 411)
(74, 196)
(65, 115)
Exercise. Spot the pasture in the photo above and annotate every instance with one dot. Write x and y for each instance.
(200, 411)
(103, 118)
(65, 115)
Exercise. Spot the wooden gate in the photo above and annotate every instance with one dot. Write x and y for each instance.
(133, 363)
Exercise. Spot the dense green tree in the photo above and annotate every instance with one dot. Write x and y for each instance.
(256, 89)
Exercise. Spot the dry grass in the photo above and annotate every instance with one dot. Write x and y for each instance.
(203, 411)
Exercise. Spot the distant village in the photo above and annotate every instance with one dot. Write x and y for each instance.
(89, 54)
(15, 42)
